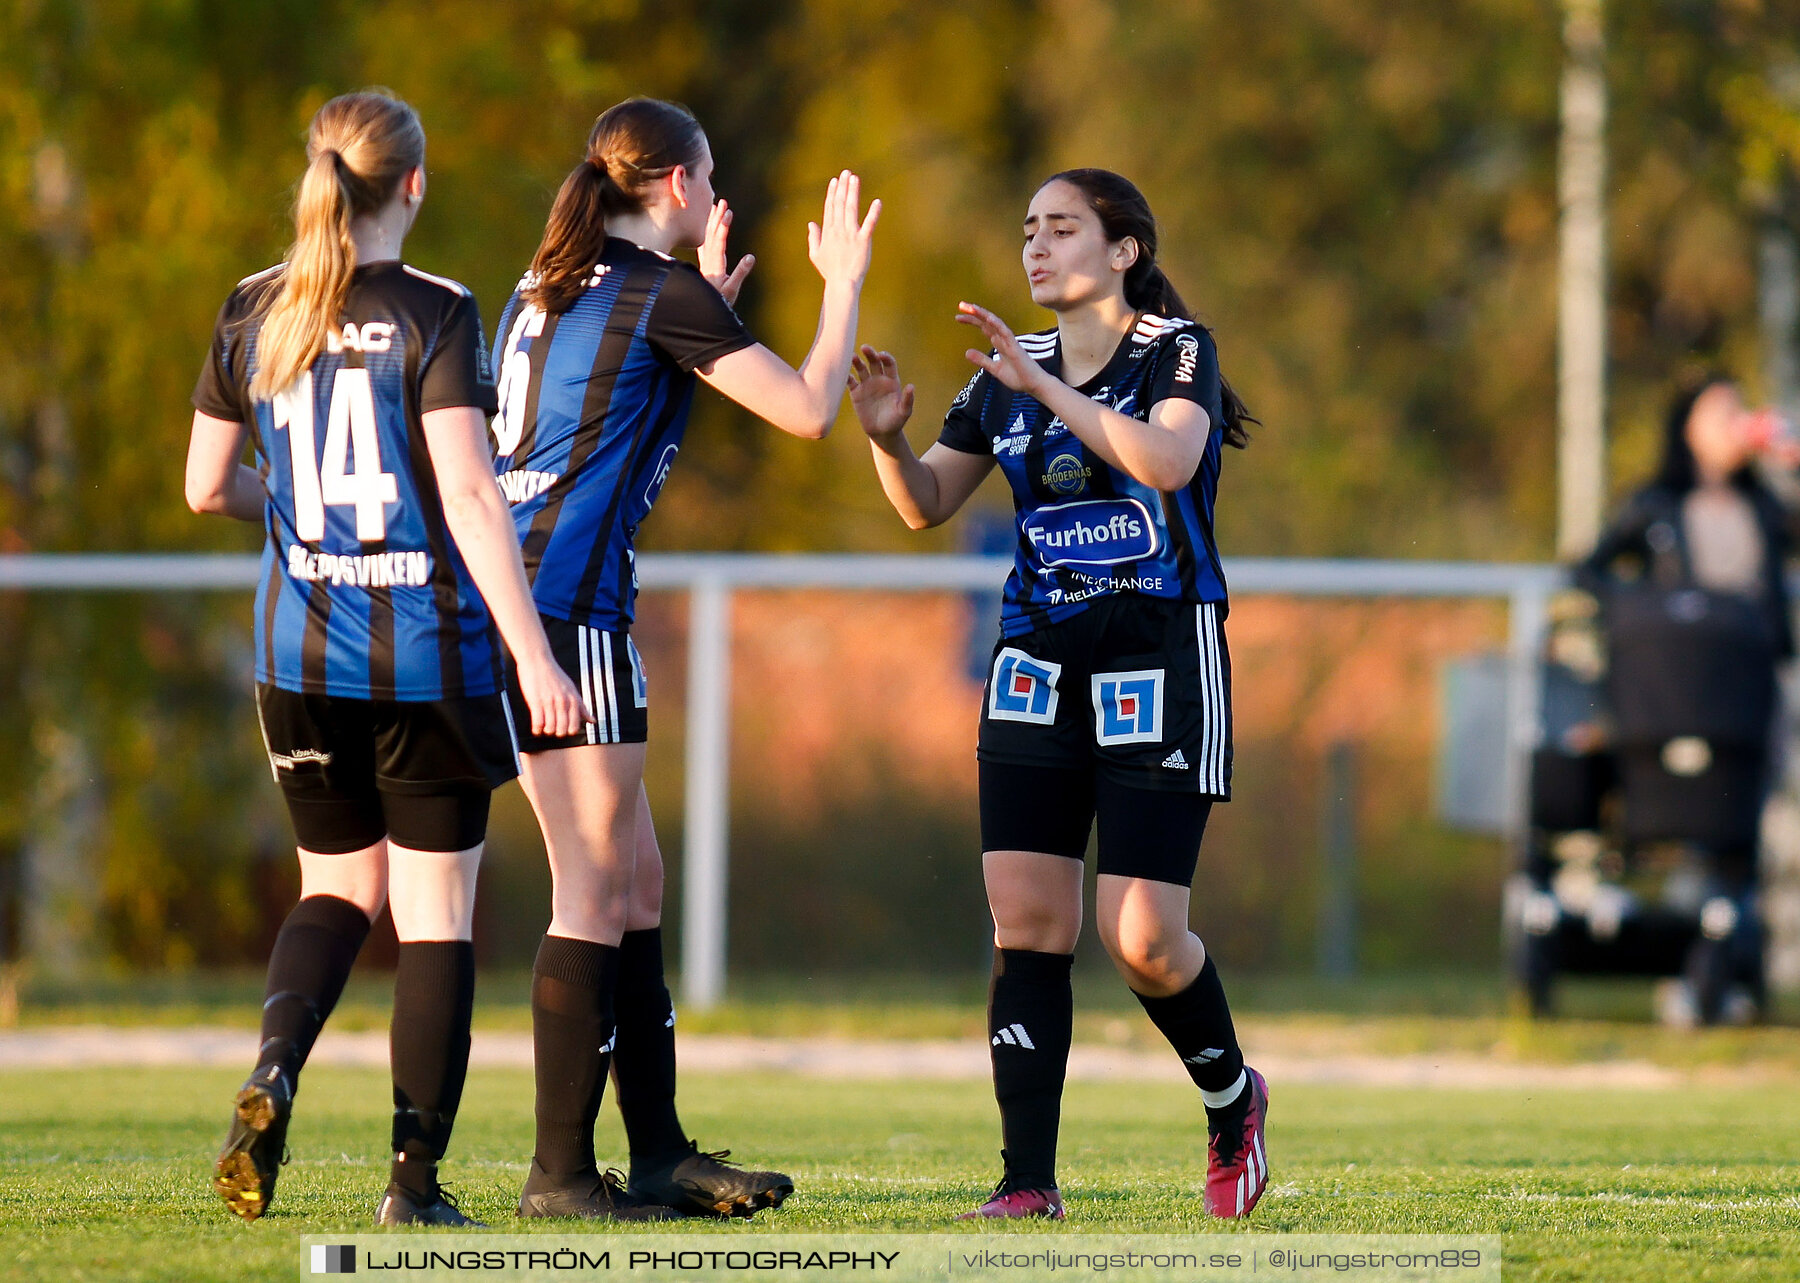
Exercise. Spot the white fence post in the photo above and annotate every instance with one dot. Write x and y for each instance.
(1527, 617)
(706, 834)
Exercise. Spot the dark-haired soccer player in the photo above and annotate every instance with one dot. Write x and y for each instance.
(600, 349)
(1109, 697)
(364, 385)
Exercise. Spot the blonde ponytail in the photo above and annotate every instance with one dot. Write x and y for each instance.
(358, 150)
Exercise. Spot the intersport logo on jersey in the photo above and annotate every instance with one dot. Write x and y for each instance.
(1096, 532)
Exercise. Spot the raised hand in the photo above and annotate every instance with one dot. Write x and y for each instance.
(839, 244)
(713, 257)
(1009, 363)
(882, 405)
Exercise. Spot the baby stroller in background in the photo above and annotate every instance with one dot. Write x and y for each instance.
(1646, 796)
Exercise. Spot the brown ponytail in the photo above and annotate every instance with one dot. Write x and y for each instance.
(632, 146)
(358, 149)
(1124, 213)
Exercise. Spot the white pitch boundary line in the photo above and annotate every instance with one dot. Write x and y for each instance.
(851, 1059)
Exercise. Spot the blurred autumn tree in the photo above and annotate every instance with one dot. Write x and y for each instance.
(1358, 194)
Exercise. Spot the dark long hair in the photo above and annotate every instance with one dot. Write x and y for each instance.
(1677, 471)
(1123, 212)
(632, 145)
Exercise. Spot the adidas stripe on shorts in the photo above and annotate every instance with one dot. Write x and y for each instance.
(609, 673)
(1137, 687)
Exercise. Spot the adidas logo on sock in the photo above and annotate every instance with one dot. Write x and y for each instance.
(1014, 1036)
(1175, 761)
(1206, 1057)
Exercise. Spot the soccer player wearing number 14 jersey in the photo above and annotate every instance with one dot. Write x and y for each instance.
(363, 386)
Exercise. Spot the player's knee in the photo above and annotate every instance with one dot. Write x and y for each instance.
(1038, 928)
(1150, 961)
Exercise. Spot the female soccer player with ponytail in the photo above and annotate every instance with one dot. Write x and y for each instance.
(599, 349)
(363, 385)
(1109, 699)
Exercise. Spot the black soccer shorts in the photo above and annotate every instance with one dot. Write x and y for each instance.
(608, 671)
(1135, 688)
(356, 770)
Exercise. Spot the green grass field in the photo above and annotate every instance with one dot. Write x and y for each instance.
(103, 1174)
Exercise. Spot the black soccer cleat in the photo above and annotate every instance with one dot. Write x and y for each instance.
(703, 1184)
(400, 1206)
(595, 1196)
(245, 1171)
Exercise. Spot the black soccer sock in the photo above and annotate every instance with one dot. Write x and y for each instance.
(643, 1063)
(572, 1036)
(1197, 1023)
(313, 954)
(1031, 1017)
(434, 993)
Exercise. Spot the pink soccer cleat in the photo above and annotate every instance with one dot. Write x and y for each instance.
(1237, 1166)
(1005, 1204)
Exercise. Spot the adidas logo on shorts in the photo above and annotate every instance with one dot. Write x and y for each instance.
(1014, 1036)
(1175, 761)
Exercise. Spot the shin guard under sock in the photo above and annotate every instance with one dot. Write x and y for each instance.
(572, 1041)
(643, 1063)
(434, 994)
(1197, 1023)
(1031, 1015)
(311, 961)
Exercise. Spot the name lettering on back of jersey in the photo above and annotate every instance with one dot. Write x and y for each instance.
(376, 336)
(1189, 347)
(375, 570)
(1094, 532)
(524, 484)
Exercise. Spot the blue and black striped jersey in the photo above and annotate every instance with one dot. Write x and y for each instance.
(593, 405)
(363, 593)
(1086, 529)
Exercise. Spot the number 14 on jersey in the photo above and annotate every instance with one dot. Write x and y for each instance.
(350, 433)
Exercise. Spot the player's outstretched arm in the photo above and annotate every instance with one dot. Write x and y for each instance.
(216, 482)
(805, 401)
(477, 515)
(1162, 453)
(925, 492)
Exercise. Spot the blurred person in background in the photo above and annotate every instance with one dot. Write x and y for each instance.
(1109, 698)
(1691, 576)
(364, 386)
(600, 349)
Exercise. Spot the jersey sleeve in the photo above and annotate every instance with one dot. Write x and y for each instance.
(1187, 368)
(217, 392)
(962, 425)
(691, 323)
(458, 372)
